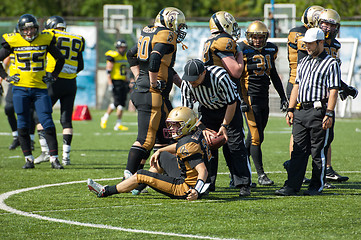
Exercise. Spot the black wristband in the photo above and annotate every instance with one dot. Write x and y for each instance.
(330, 113)
(226, 126)
(290, 110)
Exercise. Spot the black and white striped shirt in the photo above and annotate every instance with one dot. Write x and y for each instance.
(215, 92)
(316, 76)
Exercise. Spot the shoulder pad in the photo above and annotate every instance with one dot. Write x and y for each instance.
(225, 44)
(165, 36)
(111, 53)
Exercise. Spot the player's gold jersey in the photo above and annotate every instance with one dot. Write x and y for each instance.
(192, 150)
(296, 49)
(119, 70)
(150, 36)
(30, 58)
(218, 43)
(70, 46)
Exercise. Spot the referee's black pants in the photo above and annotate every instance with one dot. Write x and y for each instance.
(234, 151)
(308, 139)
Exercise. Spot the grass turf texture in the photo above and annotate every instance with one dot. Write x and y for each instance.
(98, 153)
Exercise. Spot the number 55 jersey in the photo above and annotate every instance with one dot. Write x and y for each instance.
(30, 57)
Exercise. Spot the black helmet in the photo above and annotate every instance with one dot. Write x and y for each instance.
(25, 21)
(120, 43)
(55, 22)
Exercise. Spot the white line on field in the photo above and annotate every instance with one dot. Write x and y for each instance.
(7, 208)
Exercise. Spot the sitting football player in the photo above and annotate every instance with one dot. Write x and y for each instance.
(184, 162)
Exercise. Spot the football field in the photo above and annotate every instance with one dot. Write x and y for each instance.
(44, 203)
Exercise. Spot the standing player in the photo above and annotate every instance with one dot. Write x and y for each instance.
(221, 48)
(30, 48)
(116, 68)
(64, 89)
(259, 58)
(329, 21)
(151, 62)
(183, 162)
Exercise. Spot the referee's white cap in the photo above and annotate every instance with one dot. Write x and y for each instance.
(313, 34)
(192, 70)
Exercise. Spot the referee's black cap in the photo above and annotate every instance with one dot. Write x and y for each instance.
(192, 70)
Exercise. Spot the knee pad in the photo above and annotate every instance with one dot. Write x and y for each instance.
(119, 107)
(112, 106)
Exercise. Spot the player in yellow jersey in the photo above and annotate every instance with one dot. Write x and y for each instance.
(30, 47)
(64, 89)
(117, 68)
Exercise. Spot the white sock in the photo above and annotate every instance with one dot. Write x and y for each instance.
(15, 133)
(53, 158)
(66, 151)
(106, 116)
(29, 158)
(43, 145)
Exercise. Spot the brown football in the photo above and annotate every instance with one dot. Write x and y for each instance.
(217, 142)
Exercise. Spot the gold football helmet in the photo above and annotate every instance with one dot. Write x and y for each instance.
(174, 19)
(257, 28)
(310, 16)
(223, 21)
(180, 122)
(332, 17)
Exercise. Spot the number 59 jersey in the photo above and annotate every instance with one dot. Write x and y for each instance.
(30, 57)
(70, 45)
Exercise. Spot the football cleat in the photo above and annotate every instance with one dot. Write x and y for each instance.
(103, 123)
(127, 174)
(29, 162)
(328, 185)
(120, 127)
(44, 157)
(56, 164)
(332, 175)
(14, 144)
(264, 180)
(245, 191)
(96, 188)
(65, 161)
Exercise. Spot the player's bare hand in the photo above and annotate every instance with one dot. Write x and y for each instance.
(289, 118)
(192, 194)
(154, 159)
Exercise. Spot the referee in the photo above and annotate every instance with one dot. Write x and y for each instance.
(316, 88)
(219, 110)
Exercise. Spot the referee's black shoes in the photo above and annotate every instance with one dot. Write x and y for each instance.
(312, 192)
(332, 175)
(286, 191)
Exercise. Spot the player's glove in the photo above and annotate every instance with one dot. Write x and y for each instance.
(284, 105)
(160, 85)
(48, 78)
(244, 107)
(349, 91)
(14, 78)
(342, 94)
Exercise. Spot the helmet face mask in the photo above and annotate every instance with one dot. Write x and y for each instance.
(310, 16)
(329, 21)
(55, 22)
(180, 122)
(257, 31)
(223, 21)
(173, 19)
(28, 27)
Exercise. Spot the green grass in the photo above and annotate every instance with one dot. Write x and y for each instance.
(98, 154)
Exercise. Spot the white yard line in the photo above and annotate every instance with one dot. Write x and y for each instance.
(7, 208)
